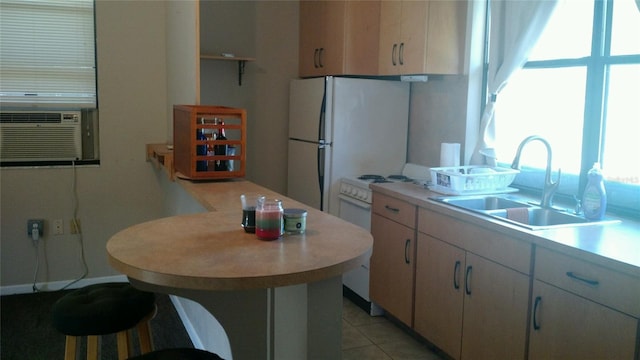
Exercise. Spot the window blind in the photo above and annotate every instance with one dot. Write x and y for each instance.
(47, 53)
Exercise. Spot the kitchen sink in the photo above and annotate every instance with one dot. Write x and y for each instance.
(482, 202)
(539, 218)
(519, 211)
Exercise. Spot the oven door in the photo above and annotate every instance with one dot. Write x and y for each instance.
(355, 211)
(359, 213)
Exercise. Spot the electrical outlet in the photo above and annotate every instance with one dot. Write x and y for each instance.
(39, 223)
(58, 227)
(75, 226)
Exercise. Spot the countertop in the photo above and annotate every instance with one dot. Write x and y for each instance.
(211, 251)
(616, 246)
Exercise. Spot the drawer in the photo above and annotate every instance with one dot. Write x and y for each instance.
(602, 285)
(503, 249)
(394, 209)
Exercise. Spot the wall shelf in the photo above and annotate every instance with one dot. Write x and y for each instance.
(241, 62)
(161, 155)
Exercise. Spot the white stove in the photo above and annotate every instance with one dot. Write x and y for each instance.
(355, 207)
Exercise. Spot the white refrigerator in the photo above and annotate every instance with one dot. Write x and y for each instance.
(343, 127)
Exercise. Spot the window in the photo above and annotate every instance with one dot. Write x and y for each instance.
(580, 90)
(48, 73)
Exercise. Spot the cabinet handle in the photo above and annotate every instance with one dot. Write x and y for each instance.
(406, 251)
(456, 271)
(316, 54)
(392, 209)
(393, 54)
(584, 280)
(320, 57)
(536, 325)
(467, 290)
(401, 56)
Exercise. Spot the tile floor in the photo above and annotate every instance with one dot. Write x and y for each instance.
(377, 338)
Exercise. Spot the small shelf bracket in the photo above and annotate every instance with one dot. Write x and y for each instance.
(241, 64)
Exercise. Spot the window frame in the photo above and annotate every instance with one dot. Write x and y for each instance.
(597, 65)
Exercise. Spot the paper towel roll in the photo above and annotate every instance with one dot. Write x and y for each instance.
(449, 154)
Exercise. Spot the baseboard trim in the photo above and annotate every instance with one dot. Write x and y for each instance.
(57, 285)
(188, 326)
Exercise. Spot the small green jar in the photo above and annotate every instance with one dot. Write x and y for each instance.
(295, 221)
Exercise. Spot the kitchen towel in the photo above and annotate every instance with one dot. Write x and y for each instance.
(449, 154)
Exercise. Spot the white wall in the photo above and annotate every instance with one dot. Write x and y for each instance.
(123, 190)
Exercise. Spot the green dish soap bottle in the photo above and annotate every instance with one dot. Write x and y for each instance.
(594, 199)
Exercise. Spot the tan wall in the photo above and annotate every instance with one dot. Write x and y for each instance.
(134, 69)
(121, 191)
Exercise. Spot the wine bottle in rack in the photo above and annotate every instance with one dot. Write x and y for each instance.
(201, 165)
(221, 165)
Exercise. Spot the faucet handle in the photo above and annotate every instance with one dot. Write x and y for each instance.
(578, 208)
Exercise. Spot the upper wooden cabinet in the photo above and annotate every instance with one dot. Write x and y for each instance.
(422, 37)
(338, 37)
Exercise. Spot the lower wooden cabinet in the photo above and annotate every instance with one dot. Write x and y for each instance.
(470, 307)
(566, 326)
(392, 267)
(439, 293)
(495, 311)
(581, 310)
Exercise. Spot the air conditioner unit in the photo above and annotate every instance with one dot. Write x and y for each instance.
(40, 135)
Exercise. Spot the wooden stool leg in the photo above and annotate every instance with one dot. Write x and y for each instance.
(92, 347)
(144, 334)
(123, 345)
(70, 347)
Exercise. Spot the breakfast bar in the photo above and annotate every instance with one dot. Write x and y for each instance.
(277, 299)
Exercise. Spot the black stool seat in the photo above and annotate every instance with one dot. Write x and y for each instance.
(101, 309)
(178, 354)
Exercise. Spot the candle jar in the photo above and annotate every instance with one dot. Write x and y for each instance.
(269, 219)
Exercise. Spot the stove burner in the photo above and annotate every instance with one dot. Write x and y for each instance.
(381, 181)
(400, 178)
(371, 177)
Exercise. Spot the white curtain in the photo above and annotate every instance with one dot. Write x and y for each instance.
(516, 26)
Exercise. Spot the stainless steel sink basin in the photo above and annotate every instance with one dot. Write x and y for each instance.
(482, 202)
(539, 218)
(518, 211)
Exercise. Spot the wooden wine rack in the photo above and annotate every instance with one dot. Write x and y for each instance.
(187, 120)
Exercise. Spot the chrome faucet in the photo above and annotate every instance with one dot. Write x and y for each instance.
(550, 187)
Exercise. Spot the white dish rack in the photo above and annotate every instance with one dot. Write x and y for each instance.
(472, 180)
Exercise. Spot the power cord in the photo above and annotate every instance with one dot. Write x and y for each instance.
(74, 193)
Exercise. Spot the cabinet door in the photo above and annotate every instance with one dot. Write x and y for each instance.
(565, 326)
(392, 267)
(312, 24)
(413, 37)
(444, 52)
(390, 20)
(496, 304)
(322, 31)
(439, 293)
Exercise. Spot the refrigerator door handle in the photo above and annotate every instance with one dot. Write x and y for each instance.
(322, 145)
(321, 162)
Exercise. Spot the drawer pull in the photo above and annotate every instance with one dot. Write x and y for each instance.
(581, 279)
(456, 271)
(536, 325)
(467, 290)
(392, 209)
(406, 251)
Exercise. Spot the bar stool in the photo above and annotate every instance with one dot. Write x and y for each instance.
(178, 354)
(103, 309)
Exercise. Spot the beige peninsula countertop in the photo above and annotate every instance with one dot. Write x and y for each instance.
(616, 246)
(210, 251)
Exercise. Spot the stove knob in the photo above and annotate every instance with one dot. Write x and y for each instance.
(353, 191)
(361, 194)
